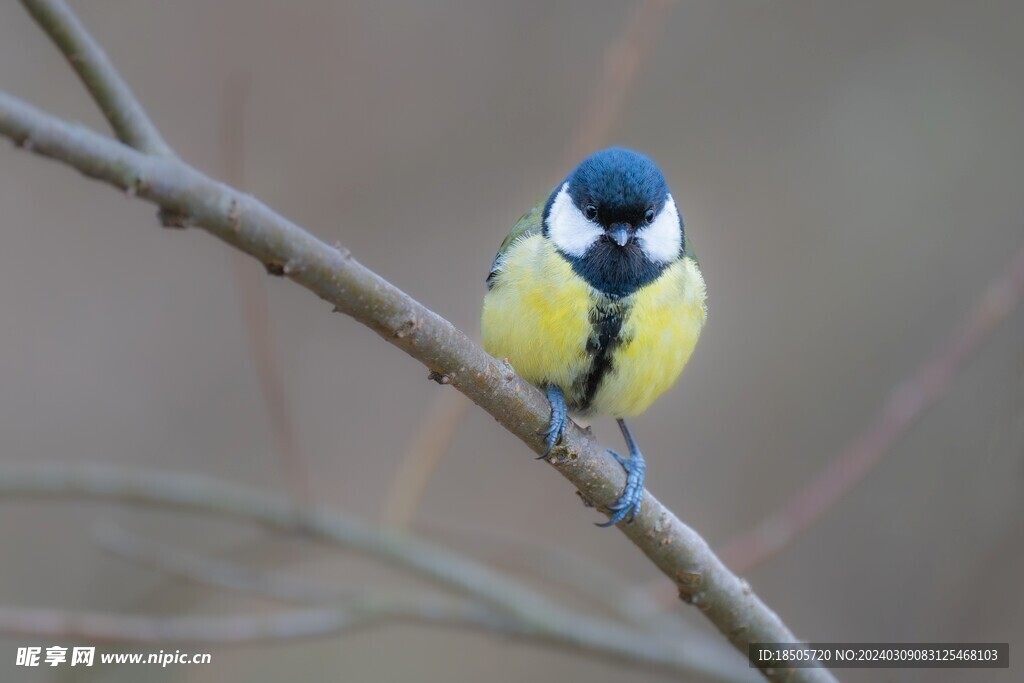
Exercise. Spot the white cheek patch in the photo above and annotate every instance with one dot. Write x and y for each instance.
(568, 228)
(662, 239)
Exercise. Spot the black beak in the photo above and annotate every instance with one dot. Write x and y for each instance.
(620, 233)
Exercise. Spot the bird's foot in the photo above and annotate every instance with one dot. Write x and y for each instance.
(628, 505)
(559, 419)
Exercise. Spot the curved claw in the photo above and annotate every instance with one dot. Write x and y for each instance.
(628, 505)
(559, 419)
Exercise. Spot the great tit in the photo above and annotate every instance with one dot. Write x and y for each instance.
(596, 297)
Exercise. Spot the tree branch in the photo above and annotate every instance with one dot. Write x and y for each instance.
(590, 580)
(188, 197)
(290, 624)
(332, 274)
(569, 573)
(284, 625)
(180, 562)
(115, 99)
(322, 622)
(522, 611)
(335, 276)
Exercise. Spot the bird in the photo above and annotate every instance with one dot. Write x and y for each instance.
(596, 298)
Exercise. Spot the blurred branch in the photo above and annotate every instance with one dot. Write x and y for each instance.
(569, 572)
(622, 60)
(181, 562)
(285, 625)
(587, 578)
(188, 197)
(23, 621)
(433, 438)
(252, 298)
(904, 406)
(129, 120)
(205, 494)
(321, 622)
(240, 578)
(507, 605)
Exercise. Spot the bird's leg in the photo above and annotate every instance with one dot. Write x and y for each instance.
(628, 505)
(559, 419)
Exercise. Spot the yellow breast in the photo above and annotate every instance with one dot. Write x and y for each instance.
(659, 333)
(539, 316)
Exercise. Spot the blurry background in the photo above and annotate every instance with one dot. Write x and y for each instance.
(850, 174)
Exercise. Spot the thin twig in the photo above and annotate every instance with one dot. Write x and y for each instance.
(177, 490)
(313, 622)
(252, 297)
(285, 625)
(568, 572)
(102, 626)
(622, 61)
(129, 120)
(331, 272)
(240, 578)
(183, 563)
(630, 603)
(433, 438)
(527, 612)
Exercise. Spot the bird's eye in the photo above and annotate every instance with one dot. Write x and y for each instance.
(649, 216)
(590, 211)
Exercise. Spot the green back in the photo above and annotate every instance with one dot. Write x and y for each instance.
(528, 224)
(688, 249)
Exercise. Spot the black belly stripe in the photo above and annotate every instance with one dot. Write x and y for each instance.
(605, 338)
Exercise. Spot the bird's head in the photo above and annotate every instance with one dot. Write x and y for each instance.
(615, 220)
